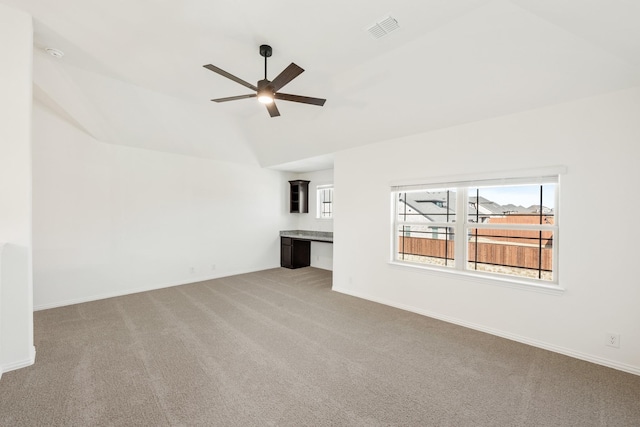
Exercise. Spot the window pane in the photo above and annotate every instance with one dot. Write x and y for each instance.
(426, 206)
(516, 204)
(426, 244)
(325, 202)
(522, 253)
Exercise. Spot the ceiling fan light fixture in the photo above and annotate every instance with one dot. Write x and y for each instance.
(265, 96)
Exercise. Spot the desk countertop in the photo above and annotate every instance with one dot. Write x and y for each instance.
(315, 236)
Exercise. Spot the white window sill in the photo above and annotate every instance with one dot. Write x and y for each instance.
(485, 278)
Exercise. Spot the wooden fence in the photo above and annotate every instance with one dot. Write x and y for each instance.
(426, 247)
(519, 236)
(488, 253)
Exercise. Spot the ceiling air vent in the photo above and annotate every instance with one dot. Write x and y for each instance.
(383, 27)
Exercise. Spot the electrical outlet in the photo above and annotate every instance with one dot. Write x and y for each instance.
(213, 266)
(612, 340)
(192, 270)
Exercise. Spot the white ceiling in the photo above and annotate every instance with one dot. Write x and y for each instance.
(132, 72)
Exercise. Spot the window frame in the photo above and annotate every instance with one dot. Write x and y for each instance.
(320, 201)
(461, 226)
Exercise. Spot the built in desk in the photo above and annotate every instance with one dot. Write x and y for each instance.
(295, 246)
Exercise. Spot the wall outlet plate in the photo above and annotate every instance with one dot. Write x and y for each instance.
(612, 340)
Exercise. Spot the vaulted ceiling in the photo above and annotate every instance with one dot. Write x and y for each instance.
(132, 72)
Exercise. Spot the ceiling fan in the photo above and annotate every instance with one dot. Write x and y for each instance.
(267, 91)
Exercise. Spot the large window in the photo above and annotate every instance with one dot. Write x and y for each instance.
(505, 227)
(325, 202)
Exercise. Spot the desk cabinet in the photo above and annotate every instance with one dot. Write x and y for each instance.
(294, 253)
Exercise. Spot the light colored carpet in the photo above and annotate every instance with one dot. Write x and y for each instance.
(278, 347)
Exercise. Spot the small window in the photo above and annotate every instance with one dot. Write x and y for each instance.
(325, 202)
(505, 227)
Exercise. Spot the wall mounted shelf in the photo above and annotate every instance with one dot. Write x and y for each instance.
(299, 196)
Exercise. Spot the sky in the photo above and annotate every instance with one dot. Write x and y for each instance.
(520, 195)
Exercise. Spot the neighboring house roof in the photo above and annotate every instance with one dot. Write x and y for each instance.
(486, 206)
(536, 209)
(434, 206)
(511, 208)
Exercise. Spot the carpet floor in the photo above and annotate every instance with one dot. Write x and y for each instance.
(279, 348)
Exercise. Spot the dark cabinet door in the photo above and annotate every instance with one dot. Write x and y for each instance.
(295, 253)
(301, 253)
(286, 254)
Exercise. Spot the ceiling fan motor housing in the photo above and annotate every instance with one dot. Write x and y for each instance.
(264, 84)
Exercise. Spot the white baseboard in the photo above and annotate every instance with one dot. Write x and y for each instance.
(130, 291)
(514, 337)
(20, 363)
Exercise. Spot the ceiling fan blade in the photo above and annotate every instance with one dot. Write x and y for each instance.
(233, 98)
(273, 110)
(230, 76)
(288, 74)
(297, 98)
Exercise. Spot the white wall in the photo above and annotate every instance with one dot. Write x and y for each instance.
(110, 220)
(321, 253)
(16, 318)
(596, 139)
